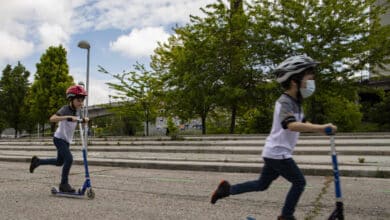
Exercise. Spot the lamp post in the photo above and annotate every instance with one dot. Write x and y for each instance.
(85, 45)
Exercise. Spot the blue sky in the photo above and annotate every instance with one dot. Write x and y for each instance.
(120, 32)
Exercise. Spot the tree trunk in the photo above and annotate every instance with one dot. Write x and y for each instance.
(147, 123)
(233, 119)
(16, 132)
(43, 129)
(203, 124)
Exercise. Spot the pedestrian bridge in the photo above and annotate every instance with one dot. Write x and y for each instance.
(101, 110)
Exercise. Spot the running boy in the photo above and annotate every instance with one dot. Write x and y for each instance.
(67, 117)
(296, 75)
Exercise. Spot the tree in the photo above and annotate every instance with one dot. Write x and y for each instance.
(50, 83)
(342, 35)
(224, 58)
(207, 63)
(139, 90)
(13, 89)
(185, 65)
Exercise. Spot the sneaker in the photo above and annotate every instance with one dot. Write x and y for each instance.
(286, 218)
(34, 163)
(65, 187)
(222, 191)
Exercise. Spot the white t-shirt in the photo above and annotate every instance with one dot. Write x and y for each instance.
(66, 128)
(281, 142)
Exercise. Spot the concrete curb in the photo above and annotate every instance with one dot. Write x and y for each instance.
(313, 170)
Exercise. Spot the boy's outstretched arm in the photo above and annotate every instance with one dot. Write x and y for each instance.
(309, 127)
(57, 118)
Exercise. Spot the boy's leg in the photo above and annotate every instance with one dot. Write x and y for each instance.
(36, 162)
(67, 160)
(58, 143)
(268, 174)
(67, 157)
(291, 172)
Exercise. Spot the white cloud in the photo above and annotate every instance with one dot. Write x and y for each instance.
(52, 35)
(35, 24)
(13, 48)
(43, 23)
(139, 42)
(127, 14)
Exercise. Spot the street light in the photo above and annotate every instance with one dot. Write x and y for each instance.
(85, 45)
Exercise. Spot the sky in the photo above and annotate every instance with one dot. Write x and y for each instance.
(120, 32)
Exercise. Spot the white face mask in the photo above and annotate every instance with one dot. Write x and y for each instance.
(309, 90)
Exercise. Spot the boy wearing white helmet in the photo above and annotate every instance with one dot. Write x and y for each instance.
(296, 75)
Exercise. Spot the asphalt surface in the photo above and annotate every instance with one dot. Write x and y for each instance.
(129, 193)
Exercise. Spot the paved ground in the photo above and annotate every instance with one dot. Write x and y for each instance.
(125, 193)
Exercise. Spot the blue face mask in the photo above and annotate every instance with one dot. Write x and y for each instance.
(309, 90)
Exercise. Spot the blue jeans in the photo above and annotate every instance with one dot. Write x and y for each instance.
(286, 168)
(64, 157)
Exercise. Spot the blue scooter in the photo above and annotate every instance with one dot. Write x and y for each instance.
(86, 188)
(338, 213)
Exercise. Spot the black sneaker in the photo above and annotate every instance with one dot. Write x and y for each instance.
(223, 190)
(34, 163)
(286, 218)
(65, 187)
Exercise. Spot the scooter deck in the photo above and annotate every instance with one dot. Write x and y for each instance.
(56, 192)
(78, 194)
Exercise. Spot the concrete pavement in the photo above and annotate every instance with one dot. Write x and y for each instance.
(125, 193)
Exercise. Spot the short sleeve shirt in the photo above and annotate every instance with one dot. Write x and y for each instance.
(66, 128)
(281, 142)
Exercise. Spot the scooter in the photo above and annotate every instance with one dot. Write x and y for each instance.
(87, 187)
(338, 213)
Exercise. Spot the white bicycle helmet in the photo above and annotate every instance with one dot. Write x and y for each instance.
(293, 65)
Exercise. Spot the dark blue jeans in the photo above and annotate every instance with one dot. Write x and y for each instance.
(64, 157)
(286, 168)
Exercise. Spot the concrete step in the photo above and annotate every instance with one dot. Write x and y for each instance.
(305, 142)
(357, 135)
(227, 153)
(351, 160)
(214, 150)
(315, 170)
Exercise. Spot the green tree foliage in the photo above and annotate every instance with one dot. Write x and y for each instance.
(380, 113)
(50, 83)
(339, 34)
(207, 64)
(138, 90)
(172, 129)
(258, 118)
(13, 89)
(188, 72)
(337, 109)
(222, 60)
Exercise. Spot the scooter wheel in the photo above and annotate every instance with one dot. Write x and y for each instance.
(53, 190)
(90, 193)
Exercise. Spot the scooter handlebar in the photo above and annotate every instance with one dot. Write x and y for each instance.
(329, 131)
(81, 120)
